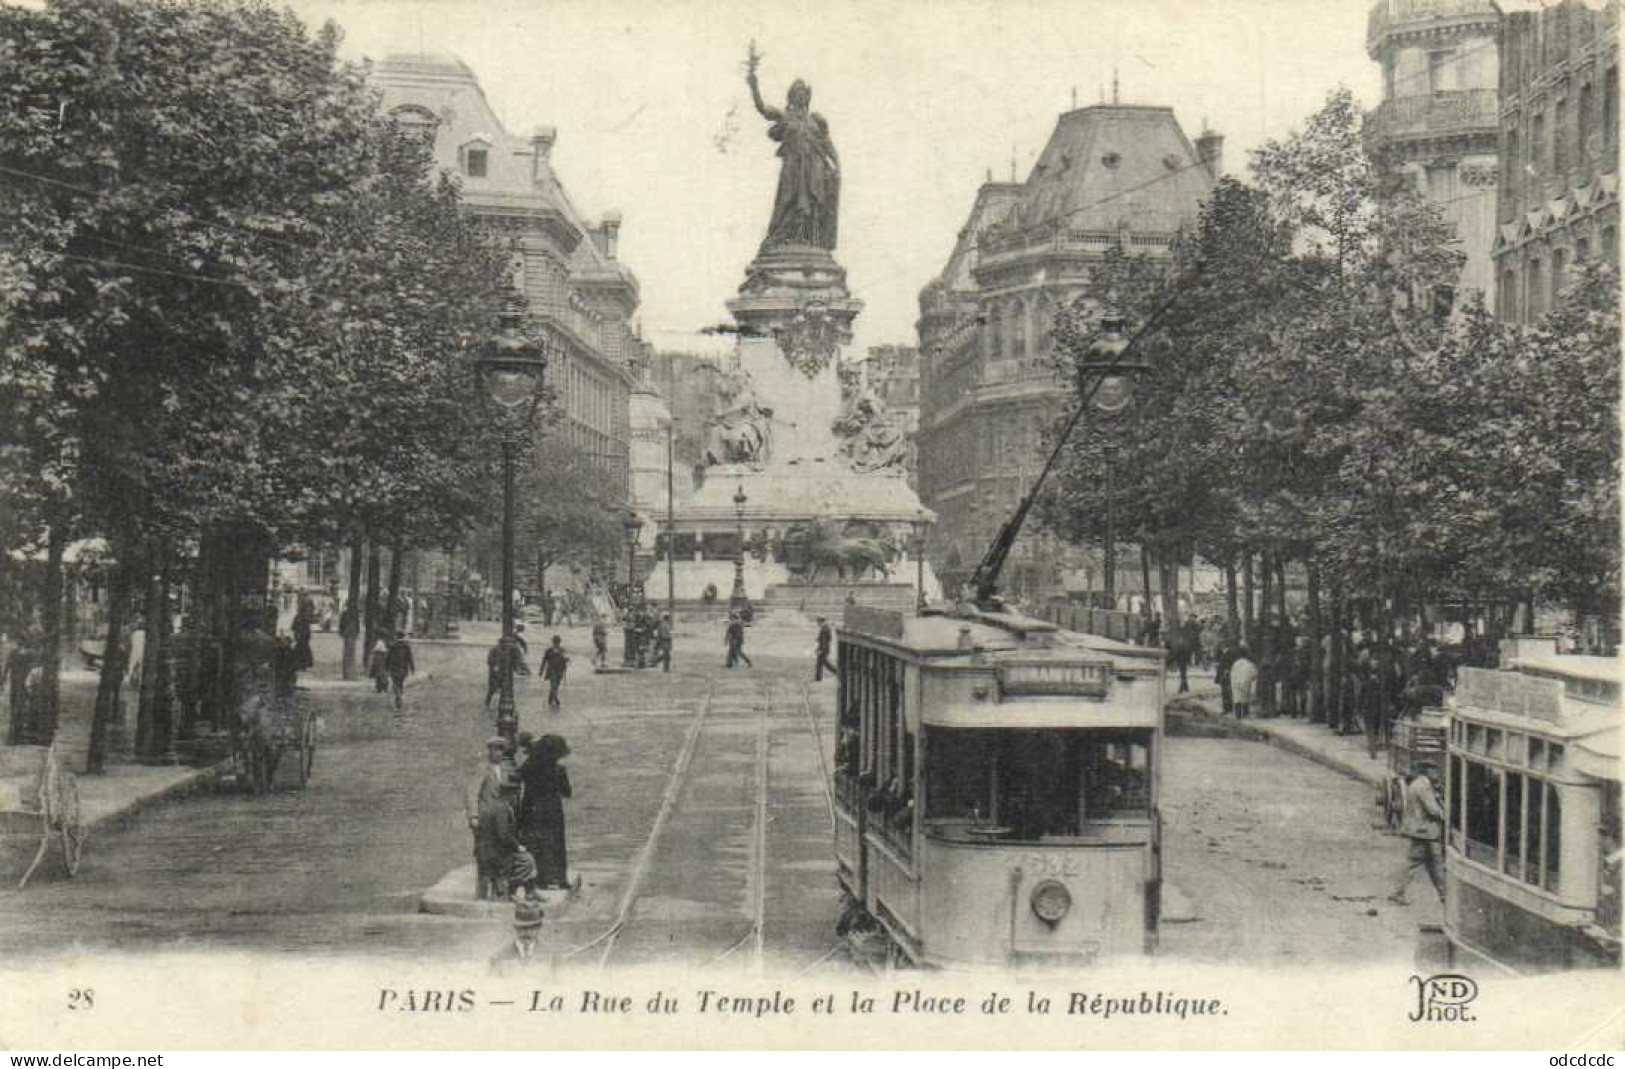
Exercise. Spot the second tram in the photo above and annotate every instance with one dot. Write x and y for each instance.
(1532, 792)
(996, 788)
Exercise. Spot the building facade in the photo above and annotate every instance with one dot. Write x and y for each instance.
(1111, 175)
(1559, 123)
(581, 298)
(1437, 124)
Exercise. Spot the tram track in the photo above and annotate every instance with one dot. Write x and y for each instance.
(737, 824)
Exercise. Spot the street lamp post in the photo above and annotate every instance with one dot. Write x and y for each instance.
(1111, 397)
(512, 367)
(919, 564)
(737, 599)
(632, 525)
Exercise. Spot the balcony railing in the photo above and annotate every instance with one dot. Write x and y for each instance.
(1445, 112)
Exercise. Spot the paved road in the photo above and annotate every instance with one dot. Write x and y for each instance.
(1277, 854)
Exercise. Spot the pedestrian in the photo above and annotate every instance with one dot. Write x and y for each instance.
(825, 637)
(663, 643)
(1224, 658)
(301, 634)
(284, 669)
(400, 664)
(546, 784)
(493, 673)
(554, 662)
(1423, 825)
(482, 793)
(734, 639)
(375, 662)
(1193, 641)
(564, 609)
(521, 650)
(1243, 682)
(1179, 657)
(548, 604)
(600, 643)
(1155, 638)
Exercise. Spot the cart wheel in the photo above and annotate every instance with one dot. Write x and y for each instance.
(70, 825)
(307, 752)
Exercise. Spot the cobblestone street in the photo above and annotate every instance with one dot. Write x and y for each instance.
(1277, 856)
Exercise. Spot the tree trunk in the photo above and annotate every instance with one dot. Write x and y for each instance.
(1334, 679)
(152, 655)
(1529, 615)
(393, 593)
(110, 689)
(1145, 576)
(1232, 613)
(350, 618)
(1249, 633)
(1317, 662)
(47, 706)
(1266, 634)
(373, 609)
(1280, 587)
(1168, 578)
(163, 708)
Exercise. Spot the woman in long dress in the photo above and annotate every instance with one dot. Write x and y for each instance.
(807, 203)
(545, 784)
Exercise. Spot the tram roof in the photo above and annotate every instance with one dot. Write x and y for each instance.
(971, 632)
(1572, 666)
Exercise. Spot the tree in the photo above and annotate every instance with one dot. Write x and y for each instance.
(569, 510)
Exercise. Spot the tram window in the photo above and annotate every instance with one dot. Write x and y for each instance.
(1537, 754)
(1458, 811)
(1535, 825)
(1492, 743)
(1475, 738)
(1483, 813)
(1036, 783)
(1512, 862)
(1554, 757)
(1554, 839)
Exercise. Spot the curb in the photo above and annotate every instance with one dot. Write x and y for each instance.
(1254, 733)
(187, 784)
(450, 898)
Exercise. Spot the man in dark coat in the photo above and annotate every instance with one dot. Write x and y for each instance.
(734, 639)
(1223, 658)
(399, 664)
(554, 662)
(825, 637)
(301, 634)
(663, 643)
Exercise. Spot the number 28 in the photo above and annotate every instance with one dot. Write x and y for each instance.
(81, 998)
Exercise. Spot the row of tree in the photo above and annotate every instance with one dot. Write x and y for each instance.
(1315, 397)
(238, 307)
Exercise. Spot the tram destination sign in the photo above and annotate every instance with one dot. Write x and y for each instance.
(1072, 679)
(1509, 692)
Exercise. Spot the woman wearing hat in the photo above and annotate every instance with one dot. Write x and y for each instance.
(545, 784)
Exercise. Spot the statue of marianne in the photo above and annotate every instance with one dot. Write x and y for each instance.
(808, 200)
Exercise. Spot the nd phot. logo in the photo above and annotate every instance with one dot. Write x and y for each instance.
(1444, 997)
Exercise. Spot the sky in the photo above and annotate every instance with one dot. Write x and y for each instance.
(924, 98)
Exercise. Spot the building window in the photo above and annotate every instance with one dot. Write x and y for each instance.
(1560, 140)
(1509, 296)
(1610, 118)
(1534, 301)
(1585, 120)
(1512, 166)
(476, 158)
(1557, 277)
(1582, 250)
(1441, 69)
(1537, 144)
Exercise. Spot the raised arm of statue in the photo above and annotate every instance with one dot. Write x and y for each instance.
(771, 114)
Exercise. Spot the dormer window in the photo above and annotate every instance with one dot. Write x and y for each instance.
(476, 157)
(415, 122)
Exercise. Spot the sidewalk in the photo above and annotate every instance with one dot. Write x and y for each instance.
(1315, 742)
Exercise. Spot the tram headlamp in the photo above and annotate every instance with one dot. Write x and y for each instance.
(1051, 902)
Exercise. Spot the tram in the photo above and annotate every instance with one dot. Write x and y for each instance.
(1532, 844)
(996, 788)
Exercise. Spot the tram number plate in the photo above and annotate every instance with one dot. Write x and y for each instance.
(1063, 679)
(1050, 865)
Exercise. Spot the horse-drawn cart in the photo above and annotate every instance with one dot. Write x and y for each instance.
(40, 799)
(267, 728)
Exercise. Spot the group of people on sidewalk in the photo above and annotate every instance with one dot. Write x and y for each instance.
(390, 662)
(515, 810)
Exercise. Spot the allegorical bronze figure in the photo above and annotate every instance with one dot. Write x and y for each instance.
(808, 199)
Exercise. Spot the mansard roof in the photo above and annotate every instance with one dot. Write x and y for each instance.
(1108, 166)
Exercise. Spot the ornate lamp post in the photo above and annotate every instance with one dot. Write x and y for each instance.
(632, 525)
(511, 367)
(737, 599)
(1113, 394)
(918, 527)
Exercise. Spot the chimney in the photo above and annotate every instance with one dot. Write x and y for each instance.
(609, 232)
(1210, 147)
(541, 151)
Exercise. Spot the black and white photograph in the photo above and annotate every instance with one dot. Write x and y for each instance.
(1045, 524)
